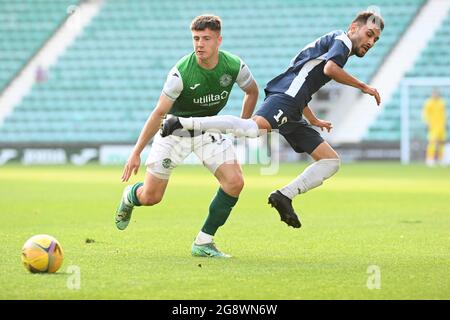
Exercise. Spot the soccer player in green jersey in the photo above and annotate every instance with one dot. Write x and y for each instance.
(198, 85)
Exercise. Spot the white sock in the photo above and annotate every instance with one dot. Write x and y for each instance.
(125, 196)
(225, 124)
(203, 238)
(313, 176)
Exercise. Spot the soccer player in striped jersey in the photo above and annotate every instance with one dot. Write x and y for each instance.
(286, 106)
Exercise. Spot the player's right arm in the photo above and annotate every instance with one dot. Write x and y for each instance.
(149, 130)
(170, 92)
(335, 72)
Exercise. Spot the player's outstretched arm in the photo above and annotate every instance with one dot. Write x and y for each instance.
(338, 74)
(150, 128)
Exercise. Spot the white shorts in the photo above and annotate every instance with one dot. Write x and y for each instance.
(213, 150)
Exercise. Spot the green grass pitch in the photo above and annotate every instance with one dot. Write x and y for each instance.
(385, 216)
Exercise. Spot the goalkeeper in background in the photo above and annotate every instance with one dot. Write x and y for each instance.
(435, 117)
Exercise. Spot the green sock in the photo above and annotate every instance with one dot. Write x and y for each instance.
(132, 196)
(219, 210)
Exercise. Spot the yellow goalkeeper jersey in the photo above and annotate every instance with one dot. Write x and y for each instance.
(434, 113)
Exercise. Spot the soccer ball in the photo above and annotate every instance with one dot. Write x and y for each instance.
(42, 253)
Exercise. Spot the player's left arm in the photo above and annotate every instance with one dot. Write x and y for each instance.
(248, 84)
(313, 120)
(250, 100)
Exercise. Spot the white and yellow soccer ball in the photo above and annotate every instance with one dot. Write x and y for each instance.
(42, 253)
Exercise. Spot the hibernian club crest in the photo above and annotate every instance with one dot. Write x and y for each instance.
(167, 163)
(225, 80)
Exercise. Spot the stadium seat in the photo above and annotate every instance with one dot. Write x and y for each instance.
(114, 71)
(25, 26)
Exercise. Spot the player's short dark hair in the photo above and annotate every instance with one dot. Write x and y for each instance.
(206, 21)
(365, 16)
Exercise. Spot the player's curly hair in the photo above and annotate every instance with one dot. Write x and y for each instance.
(206, 21)
(365, 16)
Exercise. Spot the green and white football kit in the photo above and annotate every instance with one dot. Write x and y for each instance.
(198, 92)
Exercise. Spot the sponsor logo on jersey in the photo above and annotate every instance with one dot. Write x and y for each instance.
(225, 80)
(195, 86)
(211, 99)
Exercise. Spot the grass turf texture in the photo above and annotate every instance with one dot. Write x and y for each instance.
(393, 217)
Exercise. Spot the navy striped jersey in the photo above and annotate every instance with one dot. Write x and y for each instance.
(305, 73)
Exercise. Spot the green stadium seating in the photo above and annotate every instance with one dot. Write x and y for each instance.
(24, 28)
(106, 84)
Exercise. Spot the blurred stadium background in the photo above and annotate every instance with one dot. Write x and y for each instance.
(79, 79)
